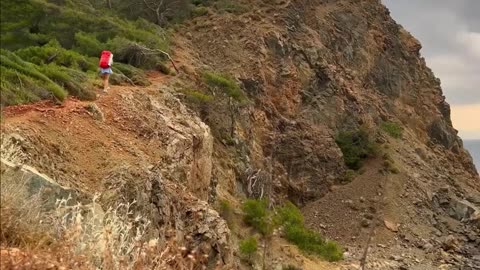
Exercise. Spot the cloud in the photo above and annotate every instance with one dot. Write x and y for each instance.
(450, 34)
(471, 41)
(449, 31)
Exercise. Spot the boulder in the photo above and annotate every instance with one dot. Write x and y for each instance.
(29, 180)
(442, 133)
(462, 210)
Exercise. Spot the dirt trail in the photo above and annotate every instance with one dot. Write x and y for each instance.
(74, 148)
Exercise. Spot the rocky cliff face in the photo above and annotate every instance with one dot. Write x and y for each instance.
(315, 68)
(310, 69)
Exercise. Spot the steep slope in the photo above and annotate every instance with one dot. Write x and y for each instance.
(310, 73)
(315, 68)
(135, 145)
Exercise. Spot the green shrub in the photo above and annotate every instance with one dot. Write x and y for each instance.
(393, 129)
(291, 219)
(230, 6)
(311, 242)
(349, 176)
(88, 44)
(74, 81)
(199, 11)
(356, 146)
(289, 214)
(163, 68)
(17, 88)
(31, 80)
(224, 83)
(54, 53)
(248, 247)
(24, 82)
(198, 97)
(257, 215)
(389, 165)
(137, 75)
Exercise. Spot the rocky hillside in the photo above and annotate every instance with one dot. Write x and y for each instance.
(326, 104)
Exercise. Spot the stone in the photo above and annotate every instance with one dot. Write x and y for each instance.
(472, 237)
(95, 111)
(450, 243)
(396, 258)
(461, 209)
(428, 247)
(391, 226)
(441, 133)
(35, 183)
(365, 223)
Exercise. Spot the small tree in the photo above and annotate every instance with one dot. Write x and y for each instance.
(248, 247)
(258, 216)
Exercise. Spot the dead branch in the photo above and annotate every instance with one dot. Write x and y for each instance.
(147, 51)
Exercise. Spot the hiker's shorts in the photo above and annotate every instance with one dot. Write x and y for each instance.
(105, 71)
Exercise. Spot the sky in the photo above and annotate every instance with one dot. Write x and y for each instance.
(449, 31)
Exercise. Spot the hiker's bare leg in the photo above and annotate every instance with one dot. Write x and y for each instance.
(106, 76)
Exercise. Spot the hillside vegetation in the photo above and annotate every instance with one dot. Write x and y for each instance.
(51, 48)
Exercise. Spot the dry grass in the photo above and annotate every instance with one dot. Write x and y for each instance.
(83, 236)
(22, 221)
(71, 235)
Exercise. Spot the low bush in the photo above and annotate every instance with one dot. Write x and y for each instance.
(88, 44)
(163, 68)
(311, 242)
(248, 247)
(349, 176)
(291, 219)
(289, 214)
(356, 146)
(389, 164)
(136, 75)
(23, 82)
(393, 129)
(230, 6)
(54, 53)
(224, 83)
(257, 215)
(198, 97)
(390, 167)
(199, 11)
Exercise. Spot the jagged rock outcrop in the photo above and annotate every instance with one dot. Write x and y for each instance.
(324, 66)
(174, 213)
(313, 69)
(185, 141)
(164, 169)
(34, 183)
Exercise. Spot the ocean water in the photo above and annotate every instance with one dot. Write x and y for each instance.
(473, 146)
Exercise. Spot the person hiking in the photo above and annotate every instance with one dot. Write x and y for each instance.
(106, 61)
